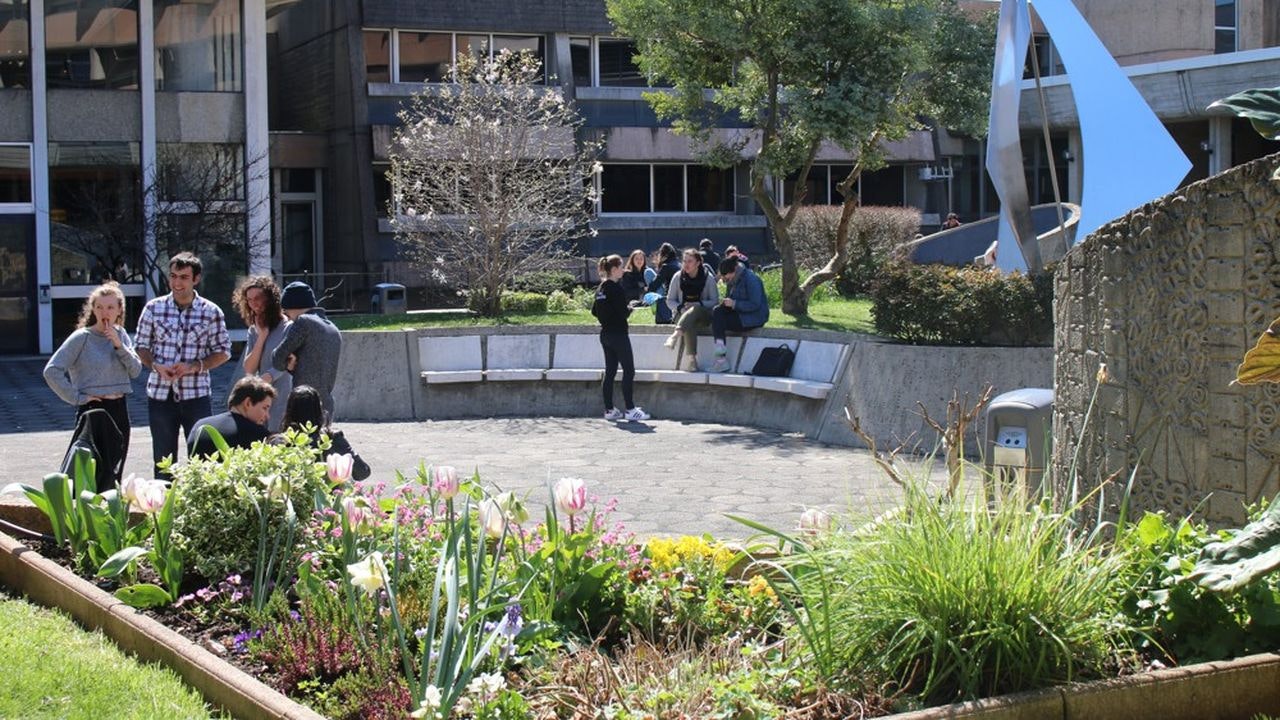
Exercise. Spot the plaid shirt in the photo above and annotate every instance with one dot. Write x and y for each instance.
(176, 335)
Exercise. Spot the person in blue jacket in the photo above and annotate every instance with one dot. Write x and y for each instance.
(743, 307)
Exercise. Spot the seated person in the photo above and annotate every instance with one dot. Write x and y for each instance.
(304, 408)
(733, 252)
(744, 306)
(244, 423)
(692, 295)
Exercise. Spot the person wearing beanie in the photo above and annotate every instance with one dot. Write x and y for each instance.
(311, 345)
(710, 257)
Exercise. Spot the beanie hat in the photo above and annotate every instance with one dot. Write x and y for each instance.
(297, 296)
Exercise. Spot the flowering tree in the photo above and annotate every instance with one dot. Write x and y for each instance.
(488, 178)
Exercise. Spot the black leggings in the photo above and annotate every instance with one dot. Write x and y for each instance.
(617, 350)
(118, 409)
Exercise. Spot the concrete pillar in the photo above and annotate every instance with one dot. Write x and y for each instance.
(40, 173)
(257, 142)
(1219, 145)
(1075, 168)
(147, 86)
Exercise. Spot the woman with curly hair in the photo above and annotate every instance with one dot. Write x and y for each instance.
(257, 299)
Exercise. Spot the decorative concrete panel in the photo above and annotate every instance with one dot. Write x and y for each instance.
(817, 361)
(515, 352)
(450, 353)
(650, 353)
(1170, 297)
(577, 351)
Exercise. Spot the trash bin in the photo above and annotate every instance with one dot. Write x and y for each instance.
(1019, 438)
(388, 299)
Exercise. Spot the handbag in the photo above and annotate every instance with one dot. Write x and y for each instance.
(774, 361)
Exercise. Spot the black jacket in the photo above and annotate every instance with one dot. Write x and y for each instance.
(633, 284)
(611, 307)
(666, 271)
(238, 430)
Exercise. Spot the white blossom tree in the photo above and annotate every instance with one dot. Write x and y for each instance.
(489, 177)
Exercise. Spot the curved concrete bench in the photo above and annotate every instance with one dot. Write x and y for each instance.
(530, 371)
(575, 357)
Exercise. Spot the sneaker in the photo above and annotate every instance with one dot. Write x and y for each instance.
(613, 414)
(721, 364)
(670, 342)
(691, 363)
(636, 414)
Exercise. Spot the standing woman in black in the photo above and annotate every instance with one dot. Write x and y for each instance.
(612, 309)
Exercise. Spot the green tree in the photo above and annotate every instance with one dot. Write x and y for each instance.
(856, 73)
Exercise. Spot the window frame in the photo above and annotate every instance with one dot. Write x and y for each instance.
(453, 48)
(1234, 28)
(28, 207)
(684, 202)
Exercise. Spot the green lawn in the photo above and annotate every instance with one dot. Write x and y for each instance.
(52, 668)
(839, 315)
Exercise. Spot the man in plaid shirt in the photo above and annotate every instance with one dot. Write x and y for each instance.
(181, 337)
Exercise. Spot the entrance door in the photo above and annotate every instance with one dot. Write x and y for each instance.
(17, 284)
(298, 228)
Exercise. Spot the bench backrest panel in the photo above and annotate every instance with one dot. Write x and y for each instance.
(751, 350)
(518, 352)
(650, 354)
(450, 353)
(817, 361)
(578, 351)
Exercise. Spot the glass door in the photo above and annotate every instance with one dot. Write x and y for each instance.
(17, 284)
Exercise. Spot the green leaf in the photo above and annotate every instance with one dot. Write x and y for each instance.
(118, 562)
(1254, 552)
(1260, 105)
(144, 595)
(58, 491)
(1152, 529)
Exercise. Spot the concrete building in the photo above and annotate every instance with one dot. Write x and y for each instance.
(258, 133)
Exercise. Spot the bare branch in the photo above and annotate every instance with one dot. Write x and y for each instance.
(959, 417)
(886, 461)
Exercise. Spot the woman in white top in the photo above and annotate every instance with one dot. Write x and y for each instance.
(95, 366)
(257, 299)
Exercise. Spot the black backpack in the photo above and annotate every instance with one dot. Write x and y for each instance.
(774, 361)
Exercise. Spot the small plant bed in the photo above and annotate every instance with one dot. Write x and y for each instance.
(54, 669)
(435, 595)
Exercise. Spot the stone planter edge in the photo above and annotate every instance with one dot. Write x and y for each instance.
(222, 684)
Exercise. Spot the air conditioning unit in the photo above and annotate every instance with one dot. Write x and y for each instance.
(940, 172)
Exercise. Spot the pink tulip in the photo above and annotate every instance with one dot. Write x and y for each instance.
(149, 496)
(339, 467)
(446, 481)
(357, 512)
(571, 495)
(814, 520)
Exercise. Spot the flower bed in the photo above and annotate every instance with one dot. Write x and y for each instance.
(438, 597)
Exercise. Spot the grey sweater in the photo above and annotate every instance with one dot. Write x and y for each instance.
(318, 344)
(87, 364)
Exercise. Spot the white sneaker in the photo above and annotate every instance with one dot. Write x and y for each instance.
(636, 414)
(670, 342)
(613, 414)
(691, 363)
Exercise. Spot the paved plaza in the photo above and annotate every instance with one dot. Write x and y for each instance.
(668, 476)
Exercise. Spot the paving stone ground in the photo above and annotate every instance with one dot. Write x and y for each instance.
(668, 476)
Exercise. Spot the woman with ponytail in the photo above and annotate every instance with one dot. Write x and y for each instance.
(611, 308)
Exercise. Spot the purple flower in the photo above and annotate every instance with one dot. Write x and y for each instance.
(294, 616)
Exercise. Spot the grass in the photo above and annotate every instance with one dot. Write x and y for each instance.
(51, 668)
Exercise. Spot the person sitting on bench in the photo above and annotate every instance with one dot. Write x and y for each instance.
(743, 307)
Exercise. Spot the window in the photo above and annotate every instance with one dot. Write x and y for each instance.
(580, 56)
(665, 188)
(199, 173)
(198, 45)
(617, 64)
(884, 187)
(1224, 26)
(820, 187)
(1045, 56)
(382, 189)
(377, 56)
(15, 46)
(95, 212)
(15, 174)
(426, 56)
(92, 44)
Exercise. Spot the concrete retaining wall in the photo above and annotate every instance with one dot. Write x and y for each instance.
(881, 382)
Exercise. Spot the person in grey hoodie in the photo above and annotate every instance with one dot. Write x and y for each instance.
(94, 367)
(311, 345)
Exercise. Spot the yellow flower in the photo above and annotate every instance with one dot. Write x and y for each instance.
(758, 586)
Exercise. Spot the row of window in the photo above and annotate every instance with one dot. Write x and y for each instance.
(94, 44)
(427, 56)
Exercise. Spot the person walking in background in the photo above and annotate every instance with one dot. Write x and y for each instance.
(304, 412)
(257, 299)
(709, 256)
(243, 424)
(94, 367)
(633, 281)
(612, 309)
(181, 337)
(311, 346)
(668, 265)
(952, 221)
(744, 306)
(693, 295)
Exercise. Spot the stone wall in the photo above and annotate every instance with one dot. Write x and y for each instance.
(1170, 297)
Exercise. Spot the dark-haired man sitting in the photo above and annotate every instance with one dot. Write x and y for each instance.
(244, 422)
(743, 307)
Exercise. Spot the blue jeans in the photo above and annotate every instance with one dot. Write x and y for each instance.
(165, 418)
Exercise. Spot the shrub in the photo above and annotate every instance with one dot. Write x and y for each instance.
(935, 304)
(215, 525)
(874, 232)
(561, 302)
(545, 282)
(523, 302)
(950, 599)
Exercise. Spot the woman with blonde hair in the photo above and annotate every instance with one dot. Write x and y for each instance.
(257, 299)
(95, 366)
